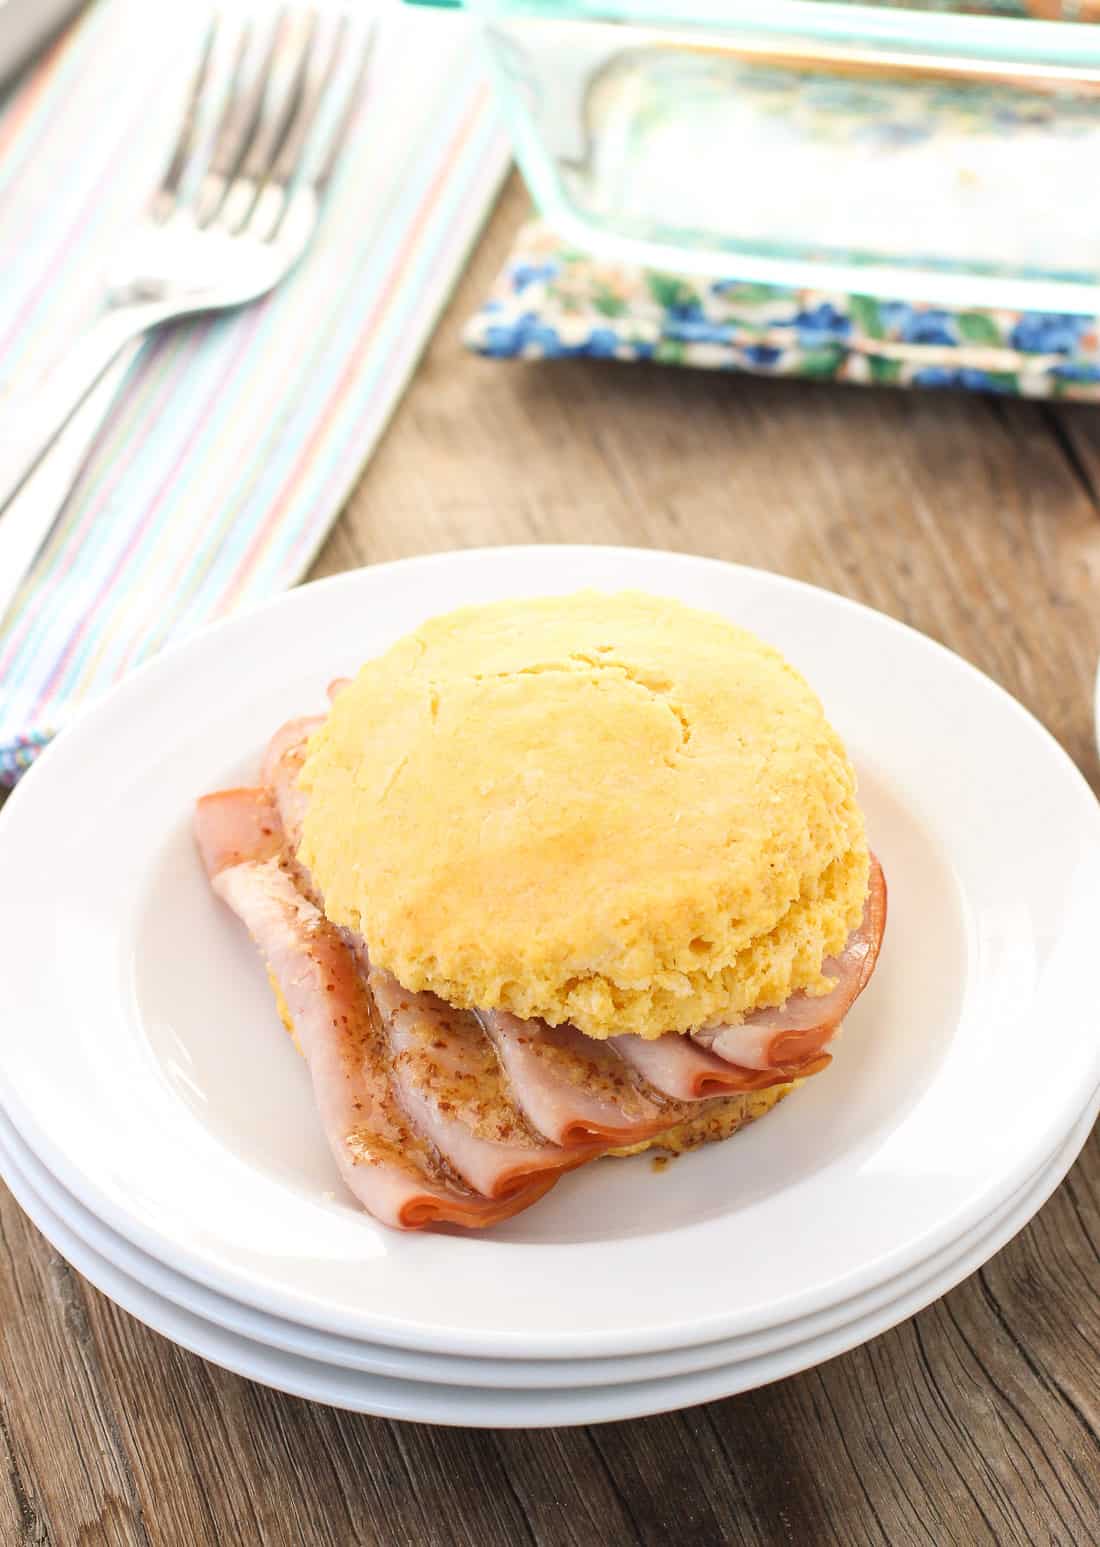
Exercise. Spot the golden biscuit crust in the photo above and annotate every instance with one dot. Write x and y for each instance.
(615, 811)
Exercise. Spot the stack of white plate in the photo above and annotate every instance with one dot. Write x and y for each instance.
(159, 1128)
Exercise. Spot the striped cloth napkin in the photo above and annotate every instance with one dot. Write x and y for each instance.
(237, 438)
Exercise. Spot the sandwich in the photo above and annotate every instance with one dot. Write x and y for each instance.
(551, 879)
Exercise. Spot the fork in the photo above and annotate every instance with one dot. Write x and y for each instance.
(233, 213)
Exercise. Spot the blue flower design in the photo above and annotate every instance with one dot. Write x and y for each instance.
(547, 340)
(896, 317)
(935, 376)
(1077, 371)
(970, 380)
(524, 274)
(930, 327)
(685, 311)
(763, 355)
(602, 343)
(699, 330)
(501, 340)
(527, 331)
(823, 324)
(1049, 333)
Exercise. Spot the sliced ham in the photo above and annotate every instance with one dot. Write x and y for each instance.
(235, 825)
(575, 1090)
(286, 752)
(794, 1035)
(769, 1046)
(451, 1084)
(384, 1161)
(675, 1066)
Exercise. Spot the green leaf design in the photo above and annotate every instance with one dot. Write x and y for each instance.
(669, 351)
(750, 293)
(607, 303)
(866, 316)
(886, 372)
(977, 328)
(822, 362)
(668, 291)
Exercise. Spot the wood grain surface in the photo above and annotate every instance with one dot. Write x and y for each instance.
(977, 1421)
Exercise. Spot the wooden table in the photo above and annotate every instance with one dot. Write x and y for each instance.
(976, 520)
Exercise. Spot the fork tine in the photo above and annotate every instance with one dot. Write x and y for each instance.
(265, 148)
(343, 124)
(164, 198)
(275, 198)
(245, 103)
(237, 121)
(300, 176)
(291, 158)
(277, 113)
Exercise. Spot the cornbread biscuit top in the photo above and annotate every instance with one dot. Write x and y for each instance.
(610, 810)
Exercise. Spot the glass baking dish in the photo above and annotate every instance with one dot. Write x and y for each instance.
(910, 151)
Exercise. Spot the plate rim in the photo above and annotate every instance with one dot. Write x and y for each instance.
(769, 1367)
(702, 1356)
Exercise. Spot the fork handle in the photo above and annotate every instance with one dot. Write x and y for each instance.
(31, 513)
(33, 422)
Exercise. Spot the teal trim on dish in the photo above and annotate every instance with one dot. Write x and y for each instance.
(990, 37)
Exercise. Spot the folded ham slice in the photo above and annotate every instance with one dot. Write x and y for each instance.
(452, 1086)
(795, 1034)
(286, 752)
(768, 1047)
(388, 1165)
(676, 1067)
(573, 1089)
(236, 825)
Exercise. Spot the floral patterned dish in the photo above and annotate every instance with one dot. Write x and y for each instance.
(552, 301)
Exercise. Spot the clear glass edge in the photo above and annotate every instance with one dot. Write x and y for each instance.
(884, 282)
(977, 37)
(1007, 39)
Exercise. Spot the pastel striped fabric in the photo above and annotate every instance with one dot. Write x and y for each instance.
(236, 439)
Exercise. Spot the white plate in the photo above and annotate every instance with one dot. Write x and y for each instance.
(425, 1402)
(445, 1369)
(150, 1076)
